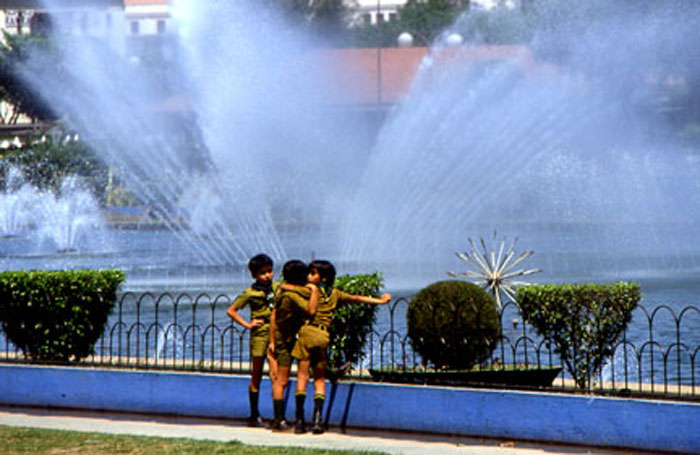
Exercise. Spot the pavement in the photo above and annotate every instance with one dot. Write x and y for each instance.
(223, 430)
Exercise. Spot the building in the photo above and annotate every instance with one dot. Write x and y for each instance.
(373, 11)
(373, 78)
(147, 17)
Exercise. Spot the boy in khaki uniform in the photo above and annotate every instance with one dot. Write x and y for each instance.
(260, 297)
(313, 339)
(295, 302)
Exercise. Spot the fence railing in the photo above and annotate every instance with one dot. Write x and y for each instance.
(658, 354)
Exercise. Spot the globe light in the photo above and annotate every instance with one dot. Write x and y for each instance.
(405, 40)
(454, 39)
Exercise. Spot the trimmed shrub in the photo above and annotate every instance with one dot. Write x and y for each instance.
(453, 324)
(57, 315)
(583, 321)
(352, 323)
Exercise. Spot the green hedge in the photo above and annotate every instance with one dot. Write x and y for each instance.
(453, 324)
(57, 315)
(583, 321)
(352, 323)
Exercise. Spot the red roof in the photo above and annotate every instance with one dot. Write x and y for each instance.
(355, 70)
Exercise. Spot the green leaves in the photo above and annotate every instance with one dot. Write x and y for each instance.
(15, 51)
(453, 324)
(352, 323)
(583, 321)
(45, 164)
(57, 315)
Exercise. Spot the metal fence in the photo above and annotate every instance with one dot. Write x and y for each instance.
(658, 354)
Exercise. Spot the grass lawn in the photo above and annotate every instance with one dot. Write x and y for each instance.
(17, 440)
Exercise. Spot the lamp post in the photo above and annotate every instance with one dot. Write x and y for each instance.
(405, 39)
(379, 54)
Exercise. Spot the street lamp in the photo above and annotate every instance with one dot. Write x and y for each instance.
(379, 53)
(454, 39)
(405, 40)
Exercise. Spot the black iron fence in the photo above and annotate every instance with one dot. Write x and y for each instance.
(658, 355)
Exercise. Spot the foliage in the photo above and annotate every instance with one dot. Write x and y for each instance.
(352, 322)
(326, 18)
(45, 164)
(57, 315)
(583, 321)
(453, 324)
(425, 20)
(15, 51)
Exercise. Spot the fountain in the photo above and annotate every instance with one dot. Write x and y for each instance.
(571, 157)
(15, 206)
(38, 223)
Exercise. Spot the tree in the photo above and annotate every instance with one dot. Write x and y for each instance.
(45, 164)
(426, 20)
(15, 52)
(325, 18)
(584, 322)
(423, 19)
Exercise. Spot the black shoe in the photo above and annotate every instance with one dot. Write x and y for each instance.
(279, 427)
(256, 422)
(316, 425)
(300, 426)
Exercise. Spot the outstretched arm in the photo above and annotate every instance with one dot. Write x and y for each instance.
(384, 299)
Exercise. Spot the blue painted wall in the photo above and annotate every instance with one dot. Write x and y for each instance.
(576, 419)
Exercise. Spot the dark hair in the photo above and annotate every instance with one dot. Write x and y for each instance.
(257, 262)
(295, 272)
(325, 269)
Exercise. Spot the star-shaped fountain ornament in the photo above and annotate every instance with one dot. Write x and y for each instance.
(494, 270)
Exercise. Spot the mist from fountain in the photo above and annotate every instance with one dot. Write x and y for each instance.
(575, 159)
(66, 221)
(15, 205)
(571, 157)
(255, 167)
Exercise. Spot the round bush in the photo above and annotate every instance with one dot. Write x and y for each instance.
(453, 324)
(57, 315)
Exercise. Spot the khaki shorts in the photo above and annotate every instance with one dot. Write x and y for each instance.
(260, 341)
(283, 352)
(311, 345)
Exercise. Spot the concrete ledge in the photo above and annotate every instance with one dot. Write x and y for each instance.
(573, 419)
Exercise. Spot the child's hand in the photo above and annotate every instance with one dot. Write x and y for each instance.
(385, 298)
(256, 323)
(311, 286)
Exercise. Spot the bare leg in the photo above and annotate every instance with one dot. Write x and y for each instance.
(272, 363)
(303, 375)
(256, 375)
(281, 382)
(319, 381)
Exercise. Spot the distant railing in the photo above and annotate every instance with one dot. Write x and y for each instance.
(658, 355)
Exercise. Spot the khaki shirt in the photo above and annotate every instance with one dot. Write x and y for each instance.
(327, 304)
(260, 304)
(290, 312)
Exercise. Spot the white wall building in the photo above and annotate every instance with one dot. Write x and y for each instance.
(147, 17)
(373, 11)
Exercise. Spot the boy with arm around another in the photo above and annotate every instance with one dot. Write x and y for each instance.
(310, 348)
(295, 302)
